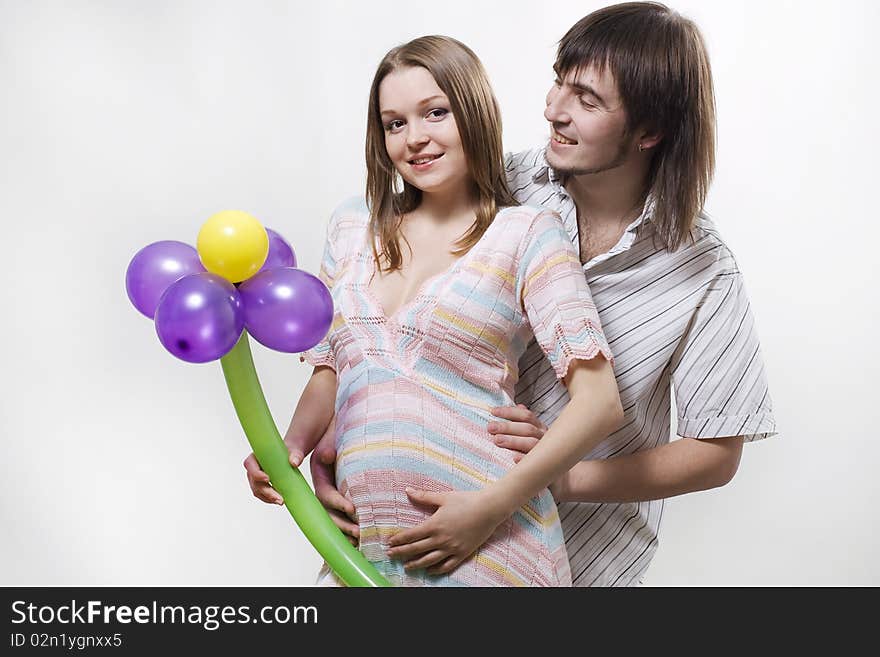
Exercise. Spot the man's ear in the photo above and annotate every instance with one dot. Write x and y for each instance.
(648, 139)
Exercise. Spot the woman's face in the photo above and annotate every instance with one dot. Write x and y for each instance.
(421, 136)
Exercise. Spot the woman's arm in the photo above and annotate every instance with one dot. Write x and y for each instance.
(312, 415)
(310, 420)
(464, 520)
(593, 412)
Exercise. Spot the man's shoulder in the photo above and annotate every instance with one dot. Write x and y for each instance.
(522, 166)
(705, 241)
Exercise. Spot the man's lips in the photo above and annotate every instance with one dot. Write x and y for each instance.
(561, 139)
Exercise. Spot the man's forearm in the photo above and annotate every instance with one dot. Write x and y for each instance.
(682, 466)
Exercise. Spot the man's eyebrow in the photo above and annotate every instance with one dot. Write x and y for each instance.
(421, 103)
(582, 88)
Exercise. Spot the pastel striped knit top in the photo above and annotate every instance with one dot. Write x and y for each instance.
(414, 389)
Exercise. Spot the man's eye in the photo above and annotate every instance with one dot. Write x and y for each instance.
(586, 104)
(557, 82)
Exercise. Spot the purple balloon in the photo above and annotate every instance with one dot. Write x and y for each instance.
(199, 317)
(154, 268)
(286, 309)
(280, 252)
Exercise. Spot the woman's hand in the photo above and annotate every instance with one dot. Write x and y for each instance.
(463, 521)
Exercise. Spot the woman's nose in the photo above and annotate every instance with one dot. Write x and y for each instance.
(416, 136)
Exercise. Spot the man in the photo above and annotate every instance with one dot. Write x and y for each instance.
(628, 166)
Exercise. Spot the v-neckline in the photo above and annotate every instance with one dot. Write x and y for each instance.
(372, 270)
(392, 317)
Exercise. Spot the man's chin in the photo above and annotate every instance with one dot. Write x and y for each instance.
(562, 165)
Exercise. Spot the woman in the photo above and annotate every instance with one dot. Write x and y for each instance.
(439, 282)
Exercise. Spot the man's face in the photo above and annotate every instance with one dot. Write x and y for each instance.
(587, 124)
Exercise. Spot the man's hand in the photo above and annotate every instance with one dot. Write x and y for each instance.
(460, 525)
(520, 433)
(340, 509)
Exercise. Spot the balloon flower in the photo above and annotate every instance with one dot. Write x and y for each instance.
(242, 279)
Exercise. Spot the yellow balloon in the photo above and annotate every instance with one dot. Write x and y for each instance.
(233, 244)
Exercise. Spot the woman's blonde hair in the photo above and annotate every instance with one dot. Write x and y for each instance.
(460, 75)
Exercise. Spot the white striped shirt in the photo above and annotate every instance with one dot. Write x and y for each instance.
(674, 321)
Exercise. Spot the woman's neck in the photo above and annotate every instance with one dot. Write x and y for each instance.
(447, 206)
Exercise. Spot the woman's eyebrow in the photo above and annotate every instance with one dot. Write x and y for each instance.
(421, 103)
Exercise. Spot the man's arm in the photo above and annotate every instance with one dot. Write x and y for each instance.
(683, 466)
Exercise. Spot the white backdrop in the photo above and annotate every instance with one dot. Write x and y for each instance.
(124, 123)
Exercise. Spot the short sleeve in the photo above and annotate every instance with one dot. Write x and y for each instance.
(555, 297)
(322, 354)
(717, 370)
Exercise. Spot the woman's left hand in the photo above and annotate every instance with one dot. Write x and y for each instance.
(462, 522)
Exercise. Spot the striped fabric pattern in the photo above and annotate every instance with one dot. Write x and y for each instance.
(680, 327)
(415, 389)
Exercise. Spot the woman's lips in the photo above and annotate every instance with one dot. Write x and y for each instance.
(424, 162)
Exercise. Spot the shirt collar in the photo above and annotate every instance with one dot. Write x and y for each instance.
(545, 174)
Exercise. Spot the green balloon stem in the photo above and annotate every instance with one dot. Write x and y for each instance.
(247, 396)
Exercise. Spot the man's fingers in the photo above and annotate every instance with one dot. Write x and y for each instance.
(326, 491)
(427, 560)
(347, 527)
(330, 498)
(326, 447)
(516, 443)
(514, 413)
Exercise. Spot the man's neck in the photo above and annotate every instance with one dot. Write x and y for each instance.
(606, 203)
(605, 199)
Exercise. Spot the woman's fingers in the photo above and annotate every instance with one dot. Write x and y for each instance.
(259, 482)
(412, 550)
(444, 567)
(426, 561)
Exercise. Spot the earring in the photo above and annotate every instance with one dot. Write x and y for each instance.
(641, 148)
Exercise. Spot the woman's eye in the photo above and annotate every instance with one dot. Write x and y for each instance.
(437, 113)
(394, 126)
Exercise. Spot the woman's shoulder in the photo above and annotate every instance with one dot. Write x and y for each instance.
(520, 221)
(527, 215)
(351, 213)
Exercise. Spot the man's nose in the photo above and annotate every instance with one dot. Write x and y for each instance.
(554, 112)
